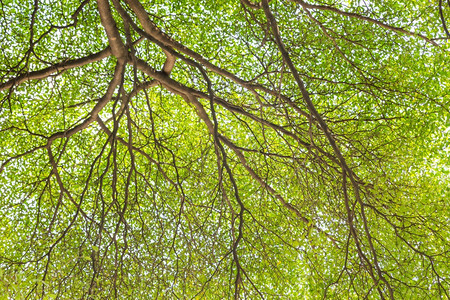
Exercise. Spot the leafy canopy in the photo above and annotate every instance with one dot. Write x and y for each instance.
(215, 149)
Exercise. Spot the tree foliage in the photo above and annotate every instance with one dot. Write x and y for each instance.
(215, 149)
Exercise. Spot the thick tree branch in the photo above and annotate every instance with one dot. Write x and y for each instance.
(115, 40)
(164, 40)
(56, 68)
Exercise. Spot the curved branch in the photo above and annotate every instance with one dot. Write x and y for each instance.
(153, 31)
(364, 18)
(118, 75)
(441, 13)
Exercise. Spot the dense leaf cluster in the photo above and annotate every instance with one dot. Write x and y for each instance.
(221, 149)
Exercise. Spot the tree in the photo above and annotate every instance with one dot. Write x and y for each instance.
(220, 149)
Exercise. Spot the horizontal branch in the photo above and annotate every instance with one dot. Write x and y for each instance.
(56, 68)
